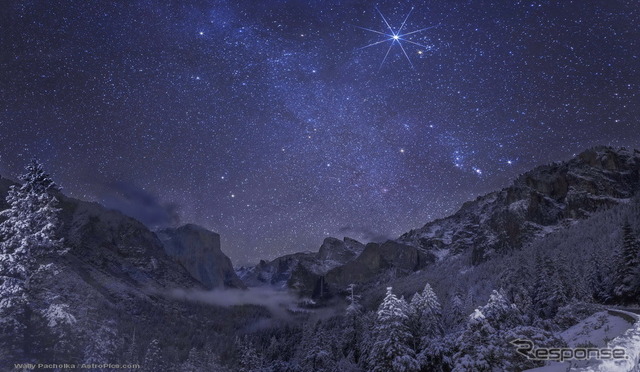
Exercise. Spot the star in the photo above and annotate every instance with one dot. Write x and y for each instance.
(396, 37)
(272, 108)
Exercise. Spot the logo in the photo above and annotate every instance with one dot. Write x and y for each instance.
(528, 349)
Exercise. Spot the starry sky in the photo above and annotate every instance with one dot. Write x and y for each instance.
(268, 122)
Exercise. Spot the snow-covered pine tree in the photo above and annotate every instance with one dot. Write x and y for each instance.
(482, 346)
(429, 312)
(103, 343)
(627, 287)
(193, 363)
(473, 351)
(347, 364)
(599, 277)
(130, 355)
(352, 327)
(319, 357)
(391, 350)
(456, 309)
(425, 323)
(366, 345)
(515, 282)
(249, 359)
(211, 361)
(415, 320)
(154, 358)
(29, 228)
(60, 322)
(549, 292)
(570, 276)
(273, 351)
(201, 361)
(354, 306)
(26, 234)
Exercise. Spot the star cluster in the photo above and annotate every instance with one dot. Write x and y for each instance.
(267, 122)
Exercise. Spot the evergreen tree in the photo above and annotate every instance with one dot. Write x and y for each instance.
(456, 309)
(515, 282)
(354, 306)
(30, 224)
(27, 234)
(366, 345)
(549, 292)
(274, 349)
(60, 322)
(351, 338)
(628, 268)
(193, 362)
(347, 364)
(131, 353)
(391, 350)
(211, 361)
(319, 357)
(103, 343)
(599, 273)
(201, 361)
(427, 312)
(154, 358)
(425, 323)
(250, 360)
(483, 345)
(351, 334)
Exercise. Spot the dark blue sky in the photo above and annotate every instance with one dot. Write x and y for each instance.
(264, 121)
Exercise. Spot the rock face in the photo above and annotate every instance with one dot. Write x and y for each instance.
(109, 243)
(198, 250)
(303, 270)
(375, 259)
(541, 201)
(116, 280)
(538, 202)
(341, 251)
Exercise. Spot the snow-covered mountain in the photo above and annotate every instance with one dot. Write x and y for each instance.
(124, 292)
(115, 279)
(538, 202)
(546, 199)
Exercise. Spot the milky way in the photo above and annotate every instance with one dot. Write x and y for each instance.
(266, 122)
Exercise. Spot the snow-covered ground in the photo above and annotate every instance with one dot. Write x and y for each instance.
(608, 328)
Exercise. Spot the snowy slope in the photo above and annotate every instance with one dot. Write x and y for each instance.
(596, 330)
(539, 202)
(630, 341)
(611, 329)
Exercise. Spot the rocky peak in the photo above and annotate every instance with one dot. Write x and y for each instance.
(341, 251)
(198, 250)
(302, 269)
(537, 203)
(374, 260)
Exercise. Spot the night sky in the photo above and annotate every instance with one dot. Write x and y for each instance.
(265, 122)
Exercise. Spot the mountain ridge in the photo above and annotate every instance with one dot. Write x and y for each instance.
(537, 202)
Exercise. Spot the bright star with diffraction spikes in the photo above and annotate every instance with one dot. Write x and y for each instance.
(396, 37)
